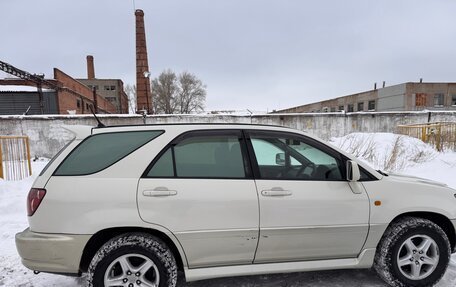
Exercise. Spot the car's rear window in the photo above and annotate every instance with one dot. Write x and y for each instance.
(100, 151)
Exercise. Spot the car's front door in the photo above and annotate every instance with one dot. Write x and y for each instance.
(201, 189)
(308, 211)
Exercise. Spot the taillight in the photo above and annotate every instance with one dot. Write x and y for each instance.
(34, 199)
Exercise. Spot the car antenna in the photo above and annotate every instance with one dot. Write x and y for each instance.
(100, 124)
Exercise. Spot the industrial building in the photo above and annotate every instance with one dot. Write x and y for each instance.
(111, 90)
(411, 96)
(33, 94)
(29, 93)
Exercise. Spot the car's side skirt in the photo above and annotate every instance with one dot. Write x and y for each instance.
(364, 260)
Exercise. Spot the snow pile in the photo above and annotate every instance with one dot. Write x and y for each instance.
(386, 151)
(399, 153)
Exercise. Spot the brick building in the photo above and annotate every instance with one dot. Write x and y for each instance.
(70, 97)
(111, 90)
(403, 97)
(63, 95)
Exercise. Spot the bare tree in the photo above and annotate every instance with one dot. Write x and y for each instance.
(164, 91)
(192, 94)
(130, 90)
(178, 94)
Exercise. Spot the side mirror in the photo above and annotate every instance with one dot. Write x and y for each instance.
(353, 173)
(280, 158)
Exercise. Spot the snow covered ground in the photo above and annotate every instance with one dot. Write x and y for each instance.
(384, 151)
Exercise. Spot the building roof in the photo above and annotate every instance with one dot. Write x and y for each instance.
(15, 88)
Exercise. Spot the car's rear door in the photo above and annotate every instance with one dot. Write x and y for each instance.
(200, 188)
(308, 211)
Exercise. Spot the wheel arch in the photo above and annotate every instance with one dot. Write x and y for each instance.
(441, 220)
(103, 236)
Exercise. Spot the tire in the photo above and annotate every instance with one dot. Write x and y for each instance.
(413, 252)
(120, 260)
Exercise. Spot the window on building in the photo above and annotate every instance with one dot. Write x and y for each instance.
(350, 108)
(109, 88)
(111, 99)
(333, 109)
(341, 108)
(78, 103)
(420, 100)
(96, 87)
(87, 105)
(360, 106)
(453, 100)
(438, 100)
(371, 105)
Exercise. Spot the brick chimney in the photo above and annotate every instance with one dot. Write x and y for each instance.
(143, 95)
(90, 68)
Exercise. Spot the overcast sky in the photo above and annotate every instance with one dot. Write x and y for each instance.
(254, 54)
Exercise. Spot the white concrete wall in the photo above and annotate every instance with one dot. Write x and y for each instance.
(47, 136)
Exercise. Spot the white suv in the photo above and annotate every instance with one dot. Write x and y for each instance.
(132, 205)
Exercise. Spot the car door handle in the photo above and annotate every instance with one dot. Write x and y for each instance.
(276, 191)
(159, 191)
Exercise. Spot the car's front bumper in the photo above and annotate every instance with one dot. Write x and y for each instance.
(55, 253)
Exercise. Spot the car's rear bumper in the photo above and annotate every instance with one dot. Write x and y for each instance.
(55, 253)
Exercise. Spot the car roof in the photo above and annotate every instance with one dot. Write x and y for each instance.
(190, 126)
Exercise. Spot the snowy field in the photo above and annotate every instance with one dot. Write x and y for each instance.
(383, 151)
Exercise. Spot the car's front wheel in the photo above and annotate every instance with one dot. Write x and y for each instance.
(413, 252)
(132, 260)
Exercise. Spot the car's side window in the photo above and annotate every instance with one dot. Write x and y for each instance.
(163, 167)
(292, 158)
(217, 156)
(100, 151)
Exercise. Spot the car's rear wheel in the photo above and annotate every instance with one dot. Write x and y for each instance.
(133, 260)
(412, 252)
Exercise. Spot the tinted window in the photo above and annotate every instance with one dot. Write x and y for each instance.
(163, 167)
(292, 158)
(364, 175)
(99, 151)
(202, 157)
(209, 157)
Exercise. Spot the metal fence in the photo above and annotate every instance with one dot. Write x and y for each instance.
(15, 157)
(442, 135)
